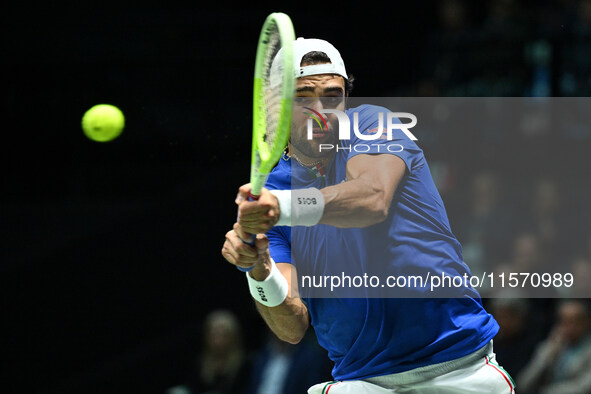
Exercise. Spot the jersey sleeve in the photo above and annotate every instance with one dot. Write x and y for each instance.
(280, 236)
(279, 244)
(400, 145)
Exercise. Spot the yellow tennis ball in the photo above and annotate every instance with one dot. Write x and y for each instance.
(103, 122)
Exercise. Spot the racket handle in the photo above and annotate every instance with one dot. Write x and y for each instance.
(252, 197)
(253, 237)
(251, 243)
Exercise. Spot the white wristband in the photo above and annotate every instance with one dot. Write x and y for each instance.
(300, 207)
(272, 291)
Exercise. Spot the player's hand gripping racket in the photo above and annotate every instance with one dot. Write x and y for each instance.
(272, 100)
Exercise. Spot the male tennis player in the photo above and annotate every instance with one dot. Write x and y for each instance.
(322, 209)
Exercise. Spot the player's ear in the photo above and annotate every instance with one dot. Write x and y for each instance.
(349, 85)
(348, 88)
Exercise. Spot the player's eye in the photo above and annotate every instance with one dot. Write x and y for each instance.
(304, 101)
(332, 102)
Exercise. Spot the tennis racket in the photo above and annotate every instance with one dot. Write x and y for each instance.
(272, 99)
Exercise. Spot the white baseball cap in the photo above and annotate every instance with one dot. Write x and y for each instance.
(303, 46)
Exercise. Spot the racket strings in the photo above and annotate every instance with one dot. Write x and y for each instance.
(272, 88)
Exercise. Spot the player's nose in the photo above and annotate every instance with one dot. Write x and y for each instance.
(317, 104)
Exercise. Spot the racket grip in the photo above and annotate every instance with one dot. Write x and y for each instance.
(253, 237)
(251, 243)
(252, 197)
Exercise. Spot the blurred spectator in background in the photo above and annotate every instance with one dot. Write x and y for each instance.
(548, 218)
(580, 268)
(518, 336)
(283, 368)
(530, 256)
(561, 363)
(222, 366)
(527, 253)
(486, 226)
(527, 256)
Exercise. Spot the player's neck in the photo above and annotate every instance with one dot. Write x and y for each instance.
(305, 161)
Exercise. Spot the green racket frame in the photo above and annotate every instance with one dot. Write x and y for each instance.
(265, 157)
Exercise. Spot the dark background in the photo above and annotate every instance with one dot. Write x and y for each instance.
(110, 253)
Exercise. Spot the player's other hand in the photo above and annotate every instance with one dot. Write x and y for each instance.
(256, 217)
(237, 251)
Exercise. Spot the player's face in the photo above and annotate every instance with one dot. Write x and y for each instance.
(313, 94)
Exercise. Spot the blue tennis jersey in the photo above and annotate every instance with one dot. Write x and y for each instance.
(371, 336)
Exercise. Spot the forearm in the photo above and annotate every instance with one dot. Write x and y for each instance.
(355, 203)
(289, 321)
(363, 200)
(272, 285)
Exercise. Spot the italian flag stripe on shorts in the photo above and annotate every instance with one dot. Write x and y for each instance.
(502, 371)
(326, 388)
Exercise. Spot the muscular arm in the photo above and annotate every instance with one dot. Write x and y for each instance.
(288, 320)
(364, 199)
(366, 196)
